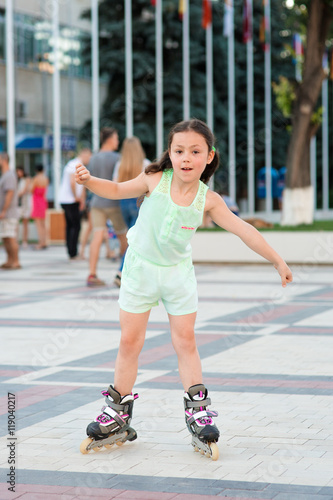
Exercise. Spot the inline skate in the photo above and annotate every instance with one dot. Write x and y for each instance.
(200, 421)
(113, 425)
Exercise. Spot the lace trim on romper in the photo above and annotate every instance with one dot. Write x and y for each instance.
(164, 187)
(200, 200)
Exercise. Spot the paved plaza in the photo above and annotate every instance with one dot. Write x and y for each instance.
(267, 358)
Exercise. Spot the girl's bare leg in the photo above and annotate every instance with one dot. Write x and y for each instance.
(133, 332)
(183, 340)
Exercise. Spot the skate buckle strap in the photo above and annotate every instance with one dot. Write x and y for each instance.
(120, 407)
(201, 414)
(113, 415)
(197, 404)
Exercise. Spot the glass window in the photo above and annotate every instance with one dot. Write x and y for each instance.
(34, 43)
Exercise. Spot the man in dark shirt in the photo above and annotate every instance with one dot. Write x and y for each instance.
(102, 165)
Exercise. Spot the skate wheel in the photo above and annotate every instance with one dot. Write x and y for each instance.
(108, 446)
(214, 451)
(119, 443)
(83, 446)
(196, 448)
(202, 452)
(97, 448)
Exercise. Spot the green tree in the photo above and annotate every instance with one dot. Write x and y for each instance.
(314, 19)
(111, 16)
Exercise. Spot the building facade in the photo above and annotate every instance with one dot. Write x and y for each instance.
(33, 47)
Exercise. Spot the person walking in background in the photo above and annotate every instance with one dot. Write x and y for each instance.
(9, 214)
(24, 202)
(102, 165)
(132, 162)
(39, 187)
(72, 200)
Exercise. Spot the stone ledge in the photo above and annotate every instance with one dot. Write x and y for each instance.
(308, 247)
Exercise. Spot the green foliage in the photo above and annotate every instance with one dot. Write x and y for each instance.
(318, 225)
(285, 95)
(112, 52)
(285, 92)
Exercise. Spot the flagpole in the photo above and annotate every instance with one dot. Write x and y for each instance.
(209, 77)
(325, 146)
(186, 60)
(268, 107)
(10, 85)
(250, 115)
(159, 77)
(313, 169)
(56, 105)
(95, 74)
(231, 105)
(129, 68)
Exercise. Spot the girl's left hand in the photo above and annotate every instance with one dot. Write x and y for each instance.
(285, 273)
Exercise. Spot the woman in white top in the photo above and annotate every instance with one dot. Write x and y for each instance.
(24, 198)
(71, 197)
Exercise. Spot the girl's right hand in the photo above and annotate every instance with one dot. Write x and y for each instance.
(82, 174)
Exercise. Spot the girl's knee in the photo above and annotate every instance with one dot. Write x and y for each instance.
(130, 344)
(185, 341)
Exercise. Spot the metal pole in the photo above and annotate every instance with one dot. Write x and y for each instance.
(10, 83)
(325, 146)
(95, 74)
(186, 60)
(268, 107)
(250, 117)
(231, 102)
(159, 77)
(129, 68)
(56, 105)
(313, 169)
(209, 77)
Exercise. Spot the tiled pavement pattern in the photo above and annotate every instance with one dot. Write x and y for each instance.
(267, 356)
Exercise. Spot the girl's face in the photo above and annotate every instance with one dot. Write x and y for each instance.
(189, 155)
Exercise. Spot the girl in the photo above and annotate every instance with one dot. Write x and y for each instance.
(158, 265)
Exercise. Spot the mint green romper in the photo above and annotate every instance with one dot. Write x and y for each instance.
(158, 262)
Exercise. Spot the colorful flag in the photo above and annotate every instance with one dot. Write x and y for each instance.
(325, 63)
(181, 8)
(297, 48)
(228, 18)
(264, 34)
(247, 22)
(206, 13)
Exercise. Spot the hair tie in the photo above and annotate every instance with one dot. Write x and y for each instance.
(213, 149)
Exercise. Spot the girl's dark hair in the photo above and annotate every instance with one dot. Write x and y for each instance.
(39, 168)
(199, 127)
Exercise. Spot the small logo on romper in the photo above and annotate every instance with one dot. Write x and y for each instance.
(187, 227)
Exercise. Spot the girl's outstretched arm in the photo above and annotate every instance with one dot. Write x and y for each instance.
(223, 217)
(109, 189)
